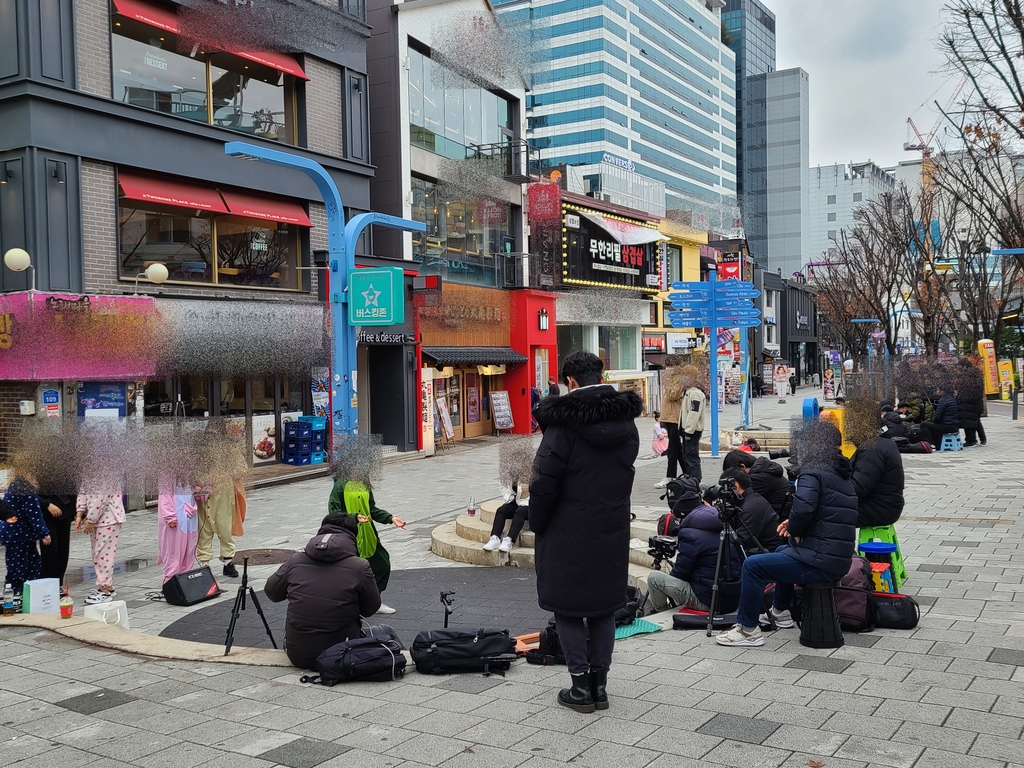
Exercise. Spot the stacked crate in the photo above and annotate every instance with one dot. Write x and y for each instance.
(305, 440)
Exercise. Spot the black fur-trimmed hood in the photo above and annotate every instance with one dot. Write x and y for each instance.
(597, 413)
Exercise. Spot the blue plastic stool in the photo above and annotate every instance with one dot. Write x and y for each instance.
(951, 442)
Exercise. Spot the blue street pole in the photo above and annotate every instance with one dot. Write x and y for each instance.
(713, 351)
(341, 240)
(745, 374)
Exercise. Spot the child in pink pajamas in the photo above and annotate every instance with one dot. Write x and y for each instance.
(103, 515)
(178, 528)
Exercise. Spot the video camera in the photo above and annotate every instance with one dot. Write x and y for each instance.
(725, 499)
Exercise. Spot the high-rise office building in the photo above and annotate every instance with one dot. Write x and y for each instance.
(836, 191)
(787, 158)
(647, 86)
(750, 29)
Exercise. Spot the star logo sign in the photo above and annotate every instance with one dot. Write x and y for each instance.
(370, 296)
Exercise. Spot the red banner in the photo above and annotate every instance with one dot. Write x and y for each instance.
(545, 201)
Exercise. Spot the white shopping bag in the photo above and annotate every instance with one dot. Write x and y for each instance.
(41, 596)
(114, 612)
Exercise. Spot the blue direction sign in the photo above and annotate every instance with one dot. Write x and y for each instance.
(738, 293)
(697, 287)
(724, 315)
(745, 322)
(725, 285)
(691, 305)
(705, 297)
(689, 324)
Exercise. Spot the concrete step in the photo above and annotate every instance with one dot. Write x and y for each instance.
(446, 542)
(478, 529)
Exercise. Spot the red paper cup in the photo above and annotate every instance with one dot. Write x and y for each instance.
(66, 609)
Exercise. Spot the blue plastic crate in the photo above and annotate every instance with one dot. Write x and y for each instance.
(318, 422)
(318, 457)
(298, 445)
(318, 445)
(298, 459)
(297, 429)
(319, 434)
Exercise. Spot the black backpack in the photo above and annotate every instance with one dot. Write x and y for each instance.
(669, 524)
(441, 651)
(371, 659)
(675, 490)
(549, 648)
(631, 610)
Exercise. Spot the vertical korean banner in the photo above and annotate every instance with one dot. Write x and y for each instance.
(989, 368)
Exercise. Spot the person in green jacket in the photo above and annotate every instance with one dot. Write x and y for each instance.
(380, 561)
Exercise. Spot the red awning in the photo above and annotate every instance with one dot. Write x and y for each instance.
(282, 62)
(167, 20)
(150, 15)
(253, 207)
(162, 191)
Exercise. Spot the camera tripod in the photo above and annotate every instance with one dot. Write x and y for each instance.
(725, 554)
(239, 606)
(447, 598)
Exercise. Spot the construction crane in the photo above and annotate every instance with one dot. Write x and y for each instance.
(923, 143)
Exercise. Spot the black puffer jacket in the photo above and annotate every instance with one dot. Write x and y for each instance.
(822, 524)
(946, 411)
(969, 412)
(769, 480)
(893, 426)
(759, 524)
(698, 555)
(879, 480)
(580, 499)
(328, 587)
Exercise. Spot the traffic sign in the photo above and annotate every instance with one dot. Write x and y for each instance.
(697, 287)
(689, 304)
(732, 285)
(746, 322)
(742, 293)
(376, 296)
(687, 324)
(725, 315)
(704, 297)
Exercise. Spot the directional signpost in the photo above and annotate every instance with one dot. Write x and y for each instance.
(715, 305)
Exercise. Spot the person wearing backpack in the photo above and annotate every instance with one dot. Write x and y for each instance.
(821, 530)
(328, 588)
(691, 421)
(580, 514)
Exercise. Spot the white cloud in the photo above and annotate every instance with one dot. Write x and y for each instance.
(872, 64)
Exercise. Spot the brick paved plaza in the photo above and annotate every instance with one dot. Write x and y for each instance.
(948, 694)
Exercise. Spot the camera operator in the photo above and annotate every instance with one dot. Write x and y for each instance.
(756, 524)
(821, 530)
(693, 574)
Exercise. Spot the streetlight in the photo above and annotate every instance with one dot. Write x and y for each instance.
(155, 273)
(18, 260)
(341, 243)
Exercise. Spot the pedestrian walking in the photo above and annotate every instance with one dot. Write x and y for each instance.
(101, 515)
(21, 526)
(356, 498)
(671, 403)
(691, 421)
(579, 511)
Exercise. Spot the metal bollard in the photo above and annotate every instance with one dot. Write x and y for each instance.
(1016, 392)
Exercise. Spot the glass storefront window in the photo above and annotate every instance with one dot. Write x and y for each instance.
(149, 72)
(182, 243)
(249, 98)
(232, 397)
(674, 257)
(617, 347)
(570, 339)
(449, 120)
(247, 253)
(255, 254)
(158, 397)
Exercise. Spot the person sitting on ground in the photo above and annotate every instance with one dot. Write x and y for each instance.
(946, 418)
(328, 588)
(757, 524)
(877, 467)
(768, 478)
(821, 531)
(737, 458)
(690, 583)
(919, 410)
(892, 423)
(517, 507)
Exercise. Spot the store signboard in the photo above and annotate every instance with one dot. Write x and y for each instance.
(320, 382)
(264, 438)
(989, 368)
(376, 296)
(501, 410)
(592, 256)
(1005, 379)
(102, 400)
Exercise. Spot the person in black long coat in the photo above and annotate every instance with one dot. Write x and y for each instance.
(579, 510)
(970, 401)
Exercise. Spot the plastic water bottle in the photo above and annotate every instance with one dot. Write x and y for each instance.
(8, 600)
(472, 507)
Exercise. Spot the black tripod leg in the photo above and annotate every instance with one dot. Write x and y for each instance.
(235, 610)
(259, 610)
(714, 588)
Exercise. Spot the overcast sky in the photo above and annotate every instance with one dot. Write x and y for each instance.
(872, 63)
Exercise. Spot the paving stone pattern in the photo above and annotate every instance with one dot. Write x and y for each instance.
(949, 693)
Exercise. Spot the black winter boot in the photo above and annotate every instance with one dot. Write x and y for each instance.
(598, 687)
(578, 697)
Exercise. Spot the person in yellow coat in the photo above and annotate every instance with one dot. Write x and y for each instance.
(221, 500)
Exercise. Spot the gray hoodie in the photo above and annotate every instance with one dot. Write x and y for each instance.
(328, 587)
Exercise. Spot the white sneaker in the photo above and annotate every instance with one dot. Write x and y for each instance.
(664, 483)
(385, 609)
(737, 637)
(506, 545)
(493, 544)
(100, 597)
(783, 620)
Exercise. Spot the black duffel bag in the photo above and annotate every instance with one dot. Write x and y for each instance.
(441, 651)
(549, 648)
(895, 611)
(369, 659)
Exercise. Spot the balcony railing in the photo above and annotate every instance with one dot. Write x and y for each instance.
(517, 159)
(522, 270)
